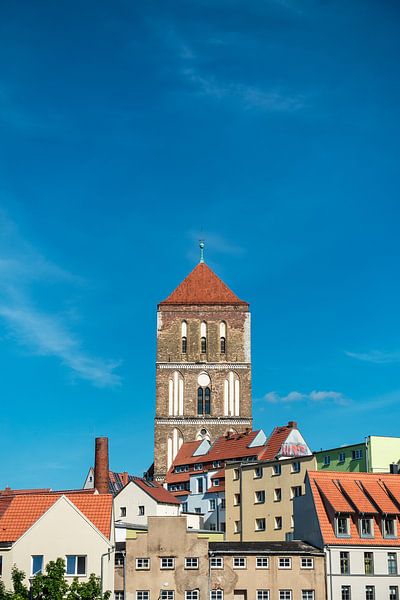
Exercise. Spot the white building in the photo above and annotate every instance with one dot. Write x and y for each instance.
(140, 499)
(354, 517)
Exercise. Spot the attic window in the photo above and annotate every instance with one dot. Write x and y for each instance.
(342, 526)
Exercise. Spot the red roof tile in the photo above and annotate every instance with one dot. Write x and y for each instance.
(156, 491)
(203, 286)
(380, 497)
(332, 493)
(320, 481)
(274, 442)
(393, 485)
(19, 512)
(232, 447)
(9, 491)
(355, 493)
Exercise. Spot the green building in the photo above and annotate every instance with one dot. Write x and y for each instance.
(345, 458)
(378, 454)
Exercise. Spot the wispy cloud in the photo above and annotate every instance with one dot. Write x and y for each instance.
(248, 96)
(376, 357)
(315, 396)
(41, 332)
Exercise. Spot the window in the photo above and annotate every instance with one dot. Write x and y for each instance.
(223, 345)
(389, 527)
(307, 563)
(222, 337)
(235, 474)
(342, 526)
(258, 473)
(199, 482)
(392, 563)
(184, 507)
(369, 592)
(184, 345)
(285, 562)
(76, 565)
(260, 497)
(37, 564)
(217, 562)
(236, 527)
(223, 526)
(197, 510)
(239, 562)
(346, 592)
(142, 564)
(167, 562)
(211, 504)
(295, 491)
(192, 595)
(204, 401)
(296, 467)
(217, 595)
(262, 562)
(119, 559)
(198, 467)
(393, 592)
(222, 503)
(342, 457)
(142, 595)
(368, 563)
(118, 595)
(278, 523)
(327, 460)
(356, 454)
(141, 510)
(236, 499)
(345, 563)
(262, 595)
(277, 494)
(191, 562)
(215, 482)
(276, 469)
(213, 527)
(366, 527)
(217, 464)
(260, 524)
(122, 511)
(307, 595)
(167, 595)
(285, 594)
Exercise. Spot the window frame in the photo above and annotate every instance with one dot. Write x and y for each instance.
(371, 527)
(264, 559)
(167, 595)
(262, 594)
(192, 594)
(33, 557)
(287, 566)
(392, 560)
(307, 566)
(344, 562)
(145, 595)
(239, 558)
(368, 563)
(77, 557)
(345, 519)
(276, 470)
(389, 536)
(142, 568)
(167, 558)
(257, 500)
(220, 560)
(260, 524)
(217, 594)
(192, 567)
(295, 467)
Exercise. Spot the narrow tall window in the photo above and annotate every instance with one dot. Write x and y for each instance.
(200, 401)
(203, 337)
(184, 337)
(207, 401)
(203, 401)
(345, 563)
(222, 337)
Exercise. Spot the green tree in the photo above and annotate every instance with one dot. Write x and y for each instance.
(52, 584)
(87, 590)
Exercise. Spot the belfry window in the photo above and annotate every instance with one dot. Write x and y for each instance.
(203, 337)
(203, 401)
(184, 337)
(222, 337)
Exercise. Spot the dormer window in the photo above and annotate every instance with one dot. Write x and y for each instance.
(184, 337)
(342, 527)
(389, 527)
(366, 527)
(203, 337)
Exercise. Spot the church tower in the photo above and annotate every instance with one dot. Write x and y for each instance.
(203, 368)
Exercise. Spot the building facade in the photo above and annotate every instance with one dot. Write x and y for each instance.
(354, 517)
(377, 454)
(352, 458)
(203, 367)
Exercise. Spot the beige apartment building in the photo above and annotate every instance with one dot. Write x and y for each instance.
(259, 498)
(170, 562)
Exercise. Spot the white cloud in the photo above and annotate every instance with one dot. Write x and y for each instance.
(376, 357)
(314, 396)
(43, 333)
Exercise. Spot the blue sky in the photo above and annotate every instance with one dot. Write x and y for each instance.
(130, 129)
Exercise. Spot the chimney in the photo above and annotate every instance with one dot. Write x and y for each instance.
(101, 465)
(292, 424)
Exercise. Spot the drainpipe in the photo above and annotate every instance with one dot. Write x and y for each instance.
(241, 503)
(330, 574)
(217, 511)
(108, 553)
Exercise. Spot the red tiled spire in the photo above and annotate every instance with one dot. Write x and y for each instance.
(202, 286)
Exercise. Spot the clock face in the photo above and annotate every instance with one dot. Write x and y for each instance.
(203, 380)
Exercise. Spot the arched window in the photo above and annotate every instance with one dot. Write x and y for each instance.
(222, 337)
(203, 337)
(175, 394)
(203, 401)
(184, 337)
(232, 395)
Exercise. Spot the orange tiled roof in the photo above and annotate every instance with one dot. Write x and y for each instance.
(322, 481)
(380, 497)
(156, 491)
(355, 493)
(202, 286)
(233, 446)
(19, 512)
(334, 496)
(10, 492)
(393, 486)
(274, 442)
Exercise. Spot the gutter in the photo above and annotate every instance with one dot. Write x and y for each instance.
(108, 553)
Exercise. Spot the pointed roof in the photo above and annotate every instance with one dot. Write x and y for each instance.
(203, 286)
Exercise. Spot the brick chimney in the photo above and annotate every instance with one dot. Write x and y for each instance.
(101, 467)
(292, 424)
